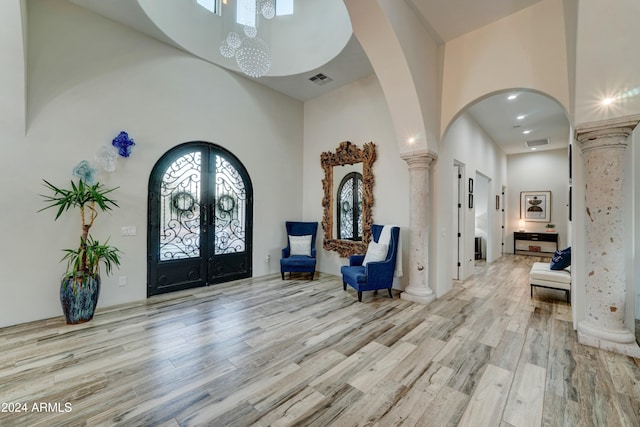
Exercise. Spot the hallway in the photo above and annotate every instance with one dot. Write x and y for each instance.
(270, 352)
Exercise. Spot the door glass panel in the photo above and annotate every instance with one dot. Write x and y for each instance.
(230, 208)
(180, 208)
(359, 206)
(346, 210)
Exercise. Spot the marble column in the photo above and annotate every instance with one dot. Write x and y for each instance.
(418, 289)
(603, 147)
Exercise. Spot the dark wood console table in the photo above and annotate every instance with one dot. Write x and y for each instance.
(534, 237)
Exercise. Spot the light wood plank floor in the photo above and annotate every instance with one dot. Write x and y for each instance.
(269, 352)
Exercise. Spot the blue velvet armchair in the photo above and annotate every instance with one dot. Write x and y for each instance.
(300, 254)
(374, 275)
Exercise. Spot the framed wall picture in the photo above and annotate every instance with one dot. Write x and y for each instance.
(497, 202)
(470, 185)
(470, 201)
(535, 206)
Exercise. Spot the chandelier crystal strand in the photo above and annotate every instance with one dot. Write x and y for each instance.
(246, 43)
(268, 9)
(253, 57)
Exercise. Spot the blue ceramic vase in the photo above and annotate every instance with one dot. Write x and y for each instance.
(79, 300)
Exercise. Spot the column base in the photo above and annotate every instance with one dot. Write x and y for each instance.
(420, 299)
(618, 341)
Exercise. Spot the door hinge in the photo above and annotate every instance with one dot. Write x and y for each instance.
(459, 234)
(459, 264)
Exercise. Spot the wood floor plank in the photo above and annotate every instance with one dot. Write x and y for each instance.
(526, 398)
(295, 352)
(487, 402)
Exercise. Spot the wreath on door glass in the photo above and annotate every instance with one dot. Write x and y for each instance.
(183, 201)
(226, 203)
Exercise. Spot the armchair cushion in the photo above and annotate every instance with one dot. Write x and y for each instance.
(300, 245)
(357, 274)
(375, 252)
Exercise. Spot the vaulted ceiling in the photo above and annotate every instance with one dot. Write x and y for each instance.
(444, 20)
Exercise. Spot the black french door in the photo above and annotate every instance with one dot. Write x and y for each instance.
(200, 218)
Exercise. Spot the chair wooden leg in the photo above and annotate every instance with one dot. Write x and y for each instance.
(360, 296)
(390, 294)
(313, 274)
(282, 272)
(344, 286)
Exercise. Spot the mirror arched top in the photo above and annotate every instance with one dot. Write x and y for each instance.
(347, 154)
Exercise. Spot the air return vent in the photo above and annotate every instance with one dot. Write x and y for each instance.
(320, 79)
(537, 142)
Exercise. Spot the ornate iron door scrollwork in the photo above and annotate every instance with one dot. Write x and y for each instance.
(200, 216)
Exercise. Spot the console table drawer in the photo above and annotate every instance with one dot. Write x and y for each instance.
(534, 237)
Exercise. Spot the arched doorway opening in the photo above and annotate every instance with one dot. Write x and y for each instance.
(200, 217)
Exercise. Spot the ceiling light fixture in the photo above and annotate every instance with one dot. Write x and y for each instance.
(526, 132)
(512, 97)
(521, 117)
(240, 39)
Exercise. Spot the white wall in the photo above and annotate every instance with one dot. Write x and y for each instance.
(607, 63)
(483, 213)
(466, 143)
(162, 97)
(356, 113)
(524, 50)
(538, 171)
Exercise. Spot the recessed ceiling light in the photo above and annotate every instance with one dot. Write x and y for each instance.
(512, 97)
(521, 116)
(607, 101)
(526, 132)
(533, 148)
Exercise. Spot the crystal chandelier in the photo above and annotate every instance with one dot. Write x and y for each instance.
(241, 39)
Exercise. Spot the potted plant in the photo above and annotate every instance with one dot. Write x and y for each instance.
(80, 285)
(551, 228)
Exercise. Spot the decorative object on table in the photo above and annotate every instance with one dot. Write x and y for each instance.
(80, 285)
(535, 206)
(521, 225)
(550, 228)
(123, 143)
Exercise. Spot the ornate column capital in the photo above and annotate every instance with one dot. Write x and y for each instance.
(419, 159)
(606, 134)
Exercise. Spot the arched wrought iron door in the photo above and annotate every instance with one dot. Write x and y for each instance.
(349, 207)
(200, 219)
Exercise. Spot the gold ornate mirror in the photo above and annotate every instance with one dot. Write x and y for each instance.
(347, 154)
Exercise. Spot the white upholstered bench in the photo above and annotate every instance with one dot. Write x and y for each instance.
(543, 276)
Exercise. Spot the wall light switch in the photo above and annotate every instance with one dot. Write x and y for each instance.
(129, 230)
